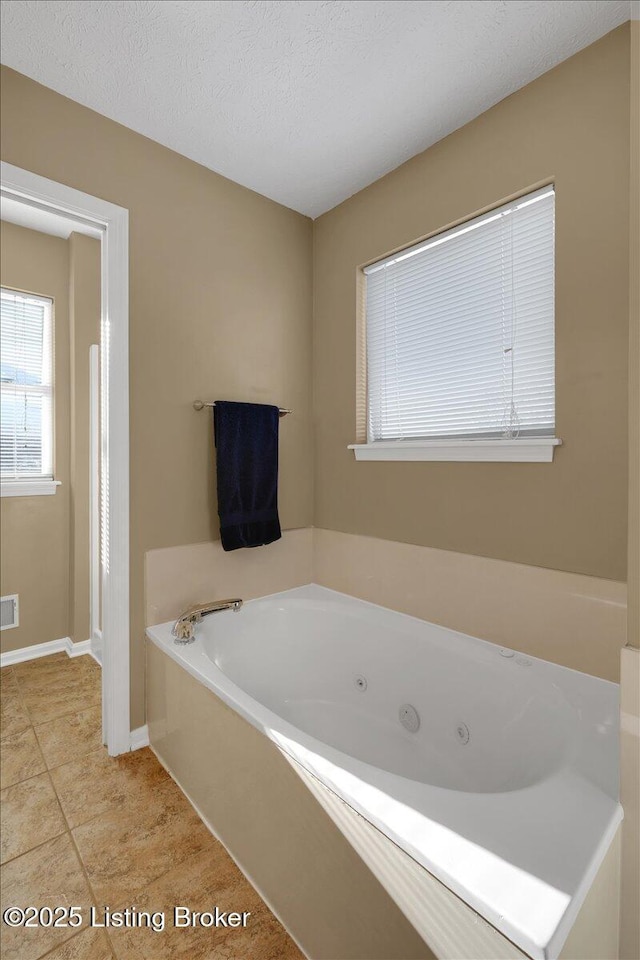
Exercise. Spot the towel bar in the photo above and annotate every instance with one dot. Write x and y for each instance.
(200, 405)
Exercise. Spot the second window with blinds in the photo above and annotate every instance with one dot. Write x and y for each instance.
(460, 343)
(26, 401)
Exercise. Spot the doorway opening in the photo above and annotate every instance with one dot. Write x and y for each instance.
(35, 200)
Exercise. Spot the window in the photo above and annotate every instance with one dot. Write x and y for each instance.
(26, 358)
(460, 341)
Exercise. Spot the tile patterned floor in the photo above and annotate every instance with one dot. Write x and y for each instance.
(81, 828)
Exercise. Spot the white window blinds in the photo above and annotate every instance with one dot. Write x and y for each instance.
(460, 330)
(26, 360)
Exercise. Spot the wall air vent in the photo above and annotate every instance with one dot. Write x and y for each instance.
(9, 612)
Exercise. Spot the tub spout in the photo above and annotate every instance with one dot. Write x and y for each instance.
(183, 630)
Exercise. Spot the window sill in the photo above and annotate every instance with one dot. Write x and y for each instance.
(527, 450)
(28, 488)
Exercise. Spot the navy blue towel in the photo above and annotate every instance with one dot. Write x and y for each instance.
(246, 438)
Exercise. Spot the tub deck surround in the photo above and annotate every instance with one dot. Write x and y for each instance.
(179, 577)
(506, 792)
(566, 618)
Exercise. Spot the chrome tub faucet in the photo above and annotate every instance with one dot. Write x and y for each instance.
(183, 630)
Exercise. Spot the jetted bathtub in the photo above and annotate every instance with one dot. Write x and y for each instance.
(496, 771)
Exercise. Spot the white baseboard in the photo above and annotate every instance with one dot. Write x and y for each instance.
(96, 646)
(139, 737)
(37, 650)
(78, 649)
(34, 652)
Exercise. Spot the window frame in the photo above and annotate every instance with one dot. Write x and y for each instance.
(43, 484)
(531, 448)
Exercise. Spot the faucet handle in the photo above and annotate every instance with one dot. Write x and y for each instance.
(184, 628)
(183, 631)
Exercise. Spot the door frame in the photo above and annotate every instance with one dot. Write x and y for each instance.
(109, 223)
(95, 560)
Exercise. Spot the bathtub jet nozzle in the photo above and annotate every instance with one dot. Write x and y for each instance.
(183, 630)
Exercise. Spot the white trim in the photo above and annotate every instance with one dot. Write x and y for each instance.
(139, 738)
(28, 488)
(77, 649)
(34, 652)
(35, 219)
(527, 450)
(110, 223)
(94, 496)
(96, 646)
(37, 650)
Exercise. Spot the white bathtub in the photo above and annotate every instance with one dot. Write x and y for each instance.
(507, 791)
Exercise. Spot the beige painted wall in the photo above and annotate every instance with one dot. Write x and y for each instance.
(570, 125)
(84, 323)
(634, 342)
(35, 530)
(220, 307)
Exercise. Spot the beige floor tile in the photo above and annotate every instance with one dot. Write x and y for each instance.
(41, 670)
(41, 665)
(13, 716)
(70, 737)
(49, 876)
(7, 676)
(58, 666)
(58, 669)
(51, 658)
(98, 783)
(203, 882)
(20, 758)
(91, 666)
(49, 701)
(89, 944)
(29, 815)
(125, 850)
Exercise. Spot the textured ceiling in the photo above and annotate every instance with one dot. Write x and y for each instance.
(305, 101)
